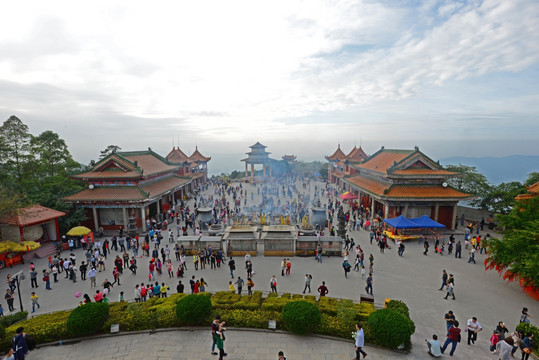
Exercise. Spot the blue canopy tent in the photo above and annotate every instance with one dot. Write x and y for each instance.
(401, 223)
(426, 222)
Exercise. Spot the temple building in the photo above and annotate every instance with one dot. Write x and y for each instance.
(195, 165)
(289, 158)
(404, 182)
(258, 155)
(138, 184)
(340, 164)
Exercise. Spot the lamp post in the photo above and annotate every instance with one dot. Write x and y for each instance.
(19, 290)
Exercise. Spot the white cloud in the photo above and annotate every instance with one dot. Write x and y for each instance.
(229, 71)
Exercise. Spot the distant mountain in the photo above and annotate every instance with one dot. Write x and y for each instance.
(502, 169)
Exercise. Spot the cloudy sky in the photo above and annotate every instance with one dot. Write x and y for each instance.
(454, 77)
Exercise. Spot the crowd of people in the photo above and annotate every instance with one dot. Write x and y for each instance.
(158, 251)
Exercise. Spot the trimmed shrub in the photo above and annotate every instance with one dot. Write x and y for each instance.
(44, 328)
(193, 309)
(2, 331)
(87, 319)
(398, 306)
(9, 320)
(301, 317)
(228, 300)
(391, 328)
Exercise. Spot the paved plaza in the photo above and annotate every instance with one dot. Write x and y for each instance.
(413, 278)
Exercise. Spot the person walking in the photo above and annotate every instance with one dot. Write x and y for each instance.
(473, 327)
(504, 348)
(369, 285)
(34, 298)
(458, 250)
(91, 275)
(239, 284)
(453, 337)
(47, 280)
(33, 277)
(9, 298)
(426, 247)
(250, 286)
(527, 346)
(273, 284)
(214, 328)
(444, 280)
(308, 279)
(232, 266)
(450, 290)
(449, 319)
(360, 342)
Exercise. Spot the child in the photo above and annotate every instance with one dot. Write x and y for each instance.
(121, 296)
(363, 273)
(231, 287)
(494, 340)
(34, 299)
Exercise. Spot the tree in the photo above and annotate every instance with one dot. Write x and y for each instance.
(109, 150)
(517, 254)
(9, 203)
(15, 149)
(500, 198)
(51, 153)
(532, 179)
(470, 181)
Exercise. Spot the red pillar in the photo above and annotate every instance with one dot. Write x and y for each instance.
(57, 229)
(21, 231)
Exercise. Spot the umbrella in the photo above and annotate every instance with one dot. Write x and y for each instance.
(79, 231)
(348, 196)
(5, 246)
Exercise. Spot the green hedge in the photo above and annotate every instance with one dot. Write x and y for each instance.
(398, 306)
(193, 309)
(391, 328)
(337, 316)
(87, 319)
(9, 320)
(301, 316)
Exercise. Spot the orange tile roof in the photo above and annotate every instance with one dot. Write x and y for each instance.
(534, 188)
(108, 175)
(425, 191)
(382, 160)
(422, 172)
(32, 215)
(357, 154)
(162, 186)
(341, 163)
(177, 156)
(337, 155)
(197, 156)
(150, 163)
(196, 175)
(524, 197)
(368, 184)
(337, 173)
(108, 193)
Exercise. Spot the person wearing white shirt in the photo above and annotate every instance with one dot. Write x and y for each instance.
(473, 327)
(434, 347)
(360, 342)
